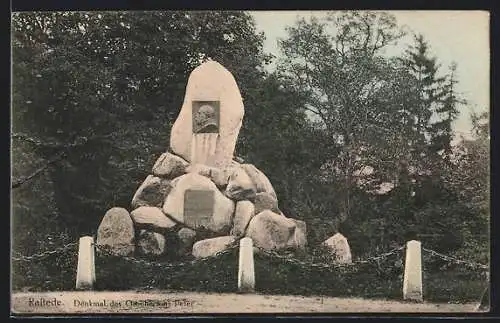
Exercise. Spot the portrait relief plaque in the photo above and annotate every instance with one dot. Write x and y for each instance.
(206, 115)
(198, 207)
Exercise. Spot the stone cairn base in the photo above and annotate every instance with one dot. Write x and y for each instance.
(179, 204)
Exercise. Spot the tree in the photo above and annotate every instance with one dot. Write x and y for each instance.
(446, 113)
(468, 180)
(104, 89)
(419, 197)
(280, 141)
(343, 79)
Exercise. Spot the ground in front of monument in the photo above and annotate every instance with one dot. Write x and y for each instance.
(189, 302)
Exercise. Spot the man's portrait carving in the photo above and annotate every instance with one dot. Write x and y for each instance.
(205, 116)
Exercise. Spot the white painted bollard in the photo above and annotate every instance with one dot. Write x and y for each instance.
(85, 274)
(412, 283)
(246, 271)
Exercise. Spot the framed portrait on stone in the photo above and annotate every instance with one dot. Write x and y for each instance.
(206, 116)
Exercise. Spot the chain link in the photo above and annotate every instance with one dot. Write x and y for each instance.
(455, 260)
(381, 256)
(44, 254)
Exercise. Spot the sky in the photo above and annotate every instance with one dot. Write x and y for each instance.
(453, 36)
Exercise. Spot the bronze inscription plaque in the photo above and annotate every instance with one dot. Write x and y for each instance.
(206, 115)
(198, 208)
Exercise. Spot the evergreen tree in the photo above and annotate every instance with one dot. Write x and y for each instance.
(445, 114)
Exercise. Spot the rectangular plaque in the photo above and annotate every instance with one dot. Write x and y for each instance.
(206, 115)
(198, 207)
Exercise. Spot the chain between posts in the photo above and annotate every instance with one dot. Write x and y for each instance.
(269, 253)
(272, 254)
(302, 263)
(455, 260)
(44, 254)
(104, 250)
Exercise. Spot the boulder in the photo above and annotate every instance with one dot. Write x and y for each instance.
(260, 180)
(339, 247)
(116, 232)
(242, 215)
(169, 166)
(150, 243)
(269, 230)
(217, 175)
(213, 85)
(186, 239)
(266, 201)
(222, 210)
(150, 217)
(300, 237)
(240, 186)
(209, 247)
(152, 192)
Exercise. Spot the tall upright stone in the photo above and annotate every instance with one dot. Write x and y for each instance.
(210, 119)
(85, 273)
(246, 270)
(412, 283)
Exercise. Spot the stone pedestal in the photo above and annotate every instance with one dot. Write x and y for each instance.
(412, 284)
(85, 274)
(246, 271)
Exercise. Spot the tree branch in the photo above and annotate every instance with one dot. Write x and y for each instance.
(79, 142)
(23, 180)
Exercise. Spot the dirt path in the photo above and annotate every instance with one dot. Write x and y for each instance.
(189, 302)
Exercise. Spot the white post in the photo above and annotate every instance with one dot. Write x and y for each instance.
(246, 272)
(412, 284)
(85, 274)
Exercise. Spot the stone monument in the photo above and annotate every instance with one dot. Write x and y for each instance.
(210, 118)
(197, 186)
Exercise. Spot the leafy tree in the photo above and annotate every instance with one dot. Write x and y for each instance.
(282, 143)
(343, 78)
(102, 90)
(468, 179)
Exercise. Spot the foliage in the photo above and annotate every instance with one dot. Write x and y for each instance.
(55, 272)
(105, 88)
(388, 123)
(216, 274)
